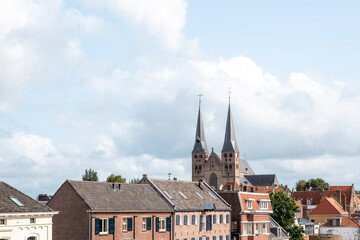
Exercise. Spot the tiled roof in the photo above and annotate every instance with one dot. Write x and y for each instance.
(303, 196)
(328, 206)
(101, 196)
(187, 195)
(9, 206)
(267, 189)
(298, 204)
(255, 199)
(262, 179)
(341, 188)
(345, 222)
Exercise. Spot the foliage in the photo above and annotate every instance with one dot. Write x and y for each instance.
(302, 185)
(90, 175)
(284, 209)
(116, 178)
(134, 180)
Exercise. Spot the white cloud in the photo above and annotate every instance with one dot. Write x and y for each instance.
(75, 20)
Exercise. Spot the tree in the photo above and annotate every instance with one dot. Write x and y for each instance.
(284, 209)
(90, 175)
(116, 178)
(302, 185)
(134, 180)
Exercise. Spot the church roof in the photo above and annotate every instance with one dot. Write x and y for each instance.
(245, 167)
(262, 180)
(230, 139)
(200, 141)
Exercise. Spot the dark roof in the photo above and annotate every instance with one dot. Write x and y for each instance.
(274, 234)
(307, 197)
(101, 196)
(245, 167)
(9, 206)
(262, 180)
(200, 141)
(305, 221)
(230, 139)
(189, 196)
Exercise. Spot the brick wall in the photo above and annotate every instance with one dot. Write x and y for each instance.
(72, 221)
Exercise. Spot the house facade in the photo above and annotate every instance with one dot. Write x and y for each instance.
(104, 211)
(250, 216)
(22, 217)
(199, 212)
(327, 209)
(343, 226)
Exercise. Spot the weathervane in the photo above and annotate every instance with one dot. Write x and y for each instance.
(200, 95)
(229, 92)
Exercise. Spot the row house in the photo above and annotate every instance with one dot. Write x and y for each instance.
(104, 211)
(327, 209)
(199, 212)
(250, 215)
(346, 227)
(22, 217)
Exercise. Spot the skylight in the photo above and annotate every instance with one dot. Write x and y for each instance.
(199, 195)
(212, 195)
(167, 194)
(183, 195)
(15, 200)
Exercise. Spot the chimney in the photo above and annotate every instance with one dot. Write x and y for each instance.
(338, 195)
(200, 180)
(175, 178)
(119, 186)
(113, 186)
(145, 175)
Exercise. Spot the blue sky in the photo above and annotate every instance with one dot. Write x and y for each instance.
(112, 86)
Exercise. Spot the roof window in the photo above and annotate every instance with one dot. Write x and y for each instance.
(199, 195)
(212, 195)
(167, 194)
(15, 200)
(182, 194)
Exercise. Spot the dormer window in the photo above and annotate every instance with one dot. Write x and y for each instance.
(248, 204)
(263, 205)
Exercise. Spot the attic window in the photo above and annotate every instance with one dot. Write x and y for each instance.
(182, 194)
(212, 195)
(167, 194)
(199, 195)
(15, 200)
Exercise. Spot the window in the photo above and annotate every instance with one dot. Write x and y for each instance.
(208, 222)
(248, 204)
(125, 223)
(227, 218)
(104, 225)
(178, 220)
(227, 237)
(265, 228)
(263, 204)
(186, 220)
(212, 195)
(15, 200)
(32, 220)
(214, 219)
(144, 223)
(162, 224)
(182, 194)
(31, 238)
(221, 218)
(202, 222)
(2, 221)
(247, 229)
(193, 220)
(167, 194)
(257, 228)
(220, 237)
(214, 237)
(201, 197)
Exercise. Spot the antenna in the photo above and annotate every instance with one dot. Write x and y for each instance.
(229, 92)
(169, 175)
(200, 95)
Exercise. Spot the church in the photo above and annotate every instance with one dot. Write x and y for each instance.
(226, 168)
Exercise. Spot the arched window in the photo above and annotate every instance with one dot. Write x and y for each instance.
(200, 168)
(226, 166)
(196, 167)
(213, 180)
(31, 238)
(225, 155)
(230, 166)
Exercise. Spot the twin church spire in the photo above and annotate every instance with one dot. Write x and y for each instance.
(230, 144)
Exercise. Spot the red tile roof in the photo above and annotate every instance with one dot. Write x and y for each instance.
(267, 189)
(341, 188)
(303, 196)
(345, 222)
(255, 199)
(328, 206)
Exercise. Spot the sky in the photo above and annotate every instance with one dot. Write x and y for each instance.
(112, 85)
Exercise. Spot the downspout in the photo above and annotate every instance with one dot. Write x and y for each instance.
(173, 226)
(134, 233)
(90, 225)
(153, 227)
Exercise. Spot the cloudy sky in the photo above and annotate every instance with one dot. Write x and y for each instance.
(112, 85)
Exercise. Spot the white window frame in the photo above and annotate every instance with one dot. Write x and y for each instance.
(256, 228)
(162, 224)
(265, 227)
(144, 224)
(264, 205)
(124, 224)
(104, 226)
(248, 204)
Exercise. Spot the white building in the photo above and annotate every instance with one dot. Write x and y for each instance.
(346, 227)
(23, 218)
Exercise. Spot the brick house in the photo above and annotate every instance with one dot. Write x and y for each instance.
(250, 214)
(22, 217)
(199, 212)
(327, 209)
(104, 211)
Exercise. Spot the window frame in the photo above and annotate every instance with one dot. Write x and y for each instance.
(265, 226)
(144, 224)
(104, 222)
(125, 224)
(248, 204)
(162, 224)
(2, 221)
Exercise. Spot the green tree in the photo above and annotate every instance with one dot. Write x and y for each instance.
(284, 209)
(134, 180)
(301, 185)
(116, 178)
(90, 175)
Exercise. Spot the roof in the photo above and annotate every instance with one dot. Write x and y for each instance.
(297, 203)
(188, 195)
(101, 196)
(344, 222)
(255, 199)
(200, 141)
(245, 167)
(314, 197)
(262, 179)
(10, 206)
(341, 188)
(305, 221)
(328, 206)
(274, 233)
(230, 144)
(268, 189)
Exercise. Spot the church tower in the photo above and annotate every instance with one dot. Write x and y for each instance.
(230, 155)
(200, 153)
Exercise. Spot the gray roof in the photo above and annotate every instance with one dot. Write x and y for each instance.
(244, 181)
(230, 139)
(245, 167)
(262, 179)
(274, 233)
(189, 196)
(305, 221)
(200, 141)
(101, 196)
(10, 206)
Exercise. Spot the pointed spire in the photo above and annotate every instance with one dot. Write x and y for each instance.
(200, 142)
(230, 139)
